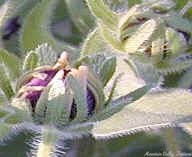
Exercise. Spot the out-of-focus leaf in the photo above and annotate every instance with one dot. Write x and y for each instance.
(186, 79)
(5, 83)
(133, 2)
(11, 62)
(80, 15)
(5, 131)
(180, 4)
(187, 127)
(36, 29)
(176, 21)
(46, 145)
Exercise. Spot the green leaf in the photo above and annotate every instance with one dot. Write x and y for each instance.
(128, 81)
(174, 65)
(42, 55)
(180, 4)
(3, 113)
(80, 15)
(41, 106)
(36, 29)
(176, 21)
(103, 13)
(46, 54)
(186, 79)
(175, 42)
(46, 144)
(144, 34)
(5, 131)
(79, 96)
(58, 105)
(187, 10)
(154, 110)
(4, 9)
(30, 61)
(5, 83)
(110, 37)
(107, 69)
(133, 2)
(11, 62)
(116, 105)
(94, 43)
(147, 72)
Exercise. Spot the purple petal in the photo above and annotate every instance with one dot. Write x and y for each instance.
(42, 82)
(90, 102)
(33, 98)
(37, 82)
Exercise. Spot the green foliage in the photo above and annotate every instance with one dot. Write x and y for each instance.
(39, 20)
(11, 62)
(80, 15)
(5, 83)
(132, 56)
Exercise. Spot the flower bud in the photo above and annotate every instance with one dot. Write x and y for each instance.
(33, 84)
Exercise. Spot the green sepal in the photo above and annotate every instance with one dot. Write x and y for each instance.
(30, 61)
(79, 97)
(60, 99)
(107, 69)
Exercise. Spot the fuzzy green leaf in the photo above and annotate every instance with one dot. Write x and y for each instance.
(94, 43)
(174, 41)
(79, 96)
(127, 81)
(46, 146)
(110, 37)
(176, 21)
(30, 61)
(5, 83)
(174, 65)
(154, 110)
(5, 131)
(11, 62)
(60, 99)
(103, 13)
(41, 106)
(36, 29)
(46, 54)
(186, 79)
(107, 69)
(143, 34)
